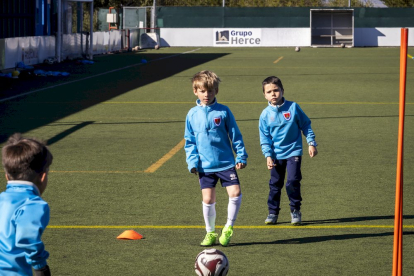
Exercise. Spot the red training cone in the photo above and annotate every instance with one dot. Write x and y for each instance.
(130, 235)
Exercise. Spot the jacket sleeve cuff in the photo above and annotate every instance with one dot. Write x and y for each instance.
(239, 160)
(39, 265)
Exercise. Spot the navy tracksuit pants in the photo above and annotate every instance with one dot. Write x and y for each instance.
(277, 178)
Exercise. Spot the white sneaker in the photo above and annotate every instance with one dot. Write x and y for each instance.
(296, 217)
(271, 219)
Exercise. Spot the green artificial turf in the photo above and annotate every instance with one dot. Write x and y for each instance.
(107, 124)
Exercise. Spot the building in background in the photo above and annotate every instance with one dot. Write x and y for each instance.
(20, 18)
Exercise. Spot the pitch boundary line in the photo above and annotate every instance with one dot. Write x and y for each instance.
(279, 59)
(237, 227)
(90, 77)
(166, 157)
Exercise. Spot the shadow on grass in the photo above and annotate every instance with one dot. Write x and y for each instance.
(57, 98)
(305, 240)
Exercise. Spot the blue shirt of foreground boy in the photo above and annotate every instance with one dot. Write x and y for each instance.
(24, 214)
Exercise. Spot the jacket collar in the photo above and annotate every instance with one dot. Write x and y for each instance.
(27, 183)
(277, 107)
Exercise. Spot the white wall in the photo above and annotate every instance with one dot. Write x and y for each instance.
(282, 37)
(286, 37)
(374, 37)
(204, 37)
(186, 37)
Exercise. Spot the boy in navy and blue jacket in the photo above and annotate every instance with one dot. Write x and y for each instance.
(211, 136)
(24, 214)
(281, 126)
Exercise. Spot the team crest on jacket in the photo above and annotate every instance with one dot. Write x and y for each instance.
(286, 115)
(217, 121)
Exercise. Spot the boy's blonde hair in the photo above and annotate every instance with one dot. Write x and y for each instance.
(25, 158)
(206, 79)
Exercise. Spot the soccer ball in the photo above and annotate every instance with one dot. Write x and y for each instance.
(211, 262)
(297, 49)
(342, 45)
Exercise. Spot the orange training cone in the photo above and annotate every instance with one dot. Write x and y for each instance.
(130, 235)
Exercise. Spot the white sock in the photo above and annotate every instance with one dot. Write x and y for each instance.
(233, 209)
(209, 213)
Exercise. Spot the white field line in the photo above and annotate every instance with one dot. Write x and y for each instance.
(90, 77)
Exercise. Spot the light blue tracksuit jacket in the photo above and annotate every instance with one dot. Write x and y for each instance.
(211, 135)
(280, 129)
(24, 216)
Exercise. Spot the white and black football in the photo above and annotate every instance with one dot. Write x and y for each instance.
(211, 262)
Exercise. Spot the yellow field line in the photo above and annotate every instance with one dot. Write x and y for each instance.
(279, 59)
(202, 227)
(321, 103)
(165, 158)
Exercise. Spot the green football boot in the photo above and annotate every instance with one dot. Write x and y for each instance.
(226, 234)
(209, 239)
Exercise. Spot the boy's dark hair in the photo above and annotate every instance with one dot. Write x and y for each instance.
(25, 158)
(206, 79)
(272, 80)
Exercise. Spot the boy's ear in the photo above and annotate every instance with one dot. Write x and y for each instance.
(7, 177)
(217, 91)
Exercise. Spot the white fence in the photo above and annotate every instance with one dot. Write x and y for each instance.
(29, 50)
(35, 49)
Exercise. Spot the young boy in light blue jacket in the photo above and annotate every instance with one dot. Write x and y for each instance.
(281, 125)
(24, 214)
(211, 136)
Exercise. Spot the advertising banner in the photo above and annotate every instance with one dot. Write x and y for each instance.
(239, 37)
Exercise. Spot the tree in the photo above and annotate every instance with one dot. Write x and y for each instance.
(237, 3)
(345, 3)
(398, 3)
(120, 3)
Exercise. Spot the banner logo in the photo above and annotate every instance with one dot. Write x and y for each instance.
(222, 37)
